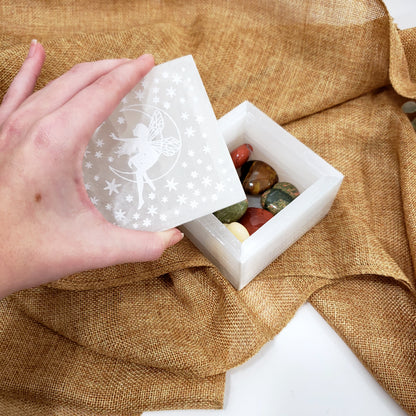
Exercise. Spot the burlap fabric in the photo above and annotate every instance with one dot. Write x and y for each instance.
(162, 335)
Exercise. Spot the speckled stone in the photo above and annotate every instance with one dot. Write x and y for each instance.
(232, 213)
(278, 197)
(241, 154)
(257, 176)
(254, 218)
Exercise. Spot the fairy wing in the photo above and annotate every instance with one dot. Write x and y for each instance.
(156, 124)
(168, 146)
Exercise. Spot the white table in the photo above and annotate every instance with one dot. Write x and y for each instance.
(306, 370)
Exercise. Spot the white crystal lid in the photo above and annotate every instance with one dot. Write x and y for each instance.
(160, 159)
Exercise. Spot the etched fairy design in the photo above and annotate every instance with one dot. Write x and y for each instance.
(144, 150)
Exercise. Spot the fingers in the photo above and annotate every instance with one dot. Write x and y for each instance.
(62, 89)
(86, 110)
(24, 82)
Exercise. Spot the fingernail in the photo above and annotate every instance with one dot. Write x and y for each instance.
(146, 57)
(32, 49)
(176, 237)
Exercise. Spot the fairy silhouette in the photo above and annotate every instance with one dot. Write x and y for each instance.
(145, 149)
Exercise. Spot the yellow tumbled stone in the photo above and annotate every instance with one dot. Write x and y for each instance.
(238, 230)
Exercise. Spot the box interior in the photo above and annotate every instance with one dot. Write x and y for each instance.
(316, 180)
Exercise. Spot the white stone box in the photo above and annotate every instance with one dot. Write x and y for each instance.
(317, 181)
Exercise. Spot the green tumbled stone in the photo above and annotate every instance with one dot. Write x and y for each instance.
(278, 197)
(232, 213)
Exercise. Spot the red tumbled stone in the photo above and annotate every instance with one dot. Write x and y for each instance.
(241, 154)
(254, 218)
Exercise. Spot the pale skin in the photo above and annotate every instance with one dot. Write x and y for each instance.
(48, 226)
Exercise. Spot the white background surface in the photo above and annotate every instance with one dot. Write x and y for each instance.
(307, 370)
(403, 12)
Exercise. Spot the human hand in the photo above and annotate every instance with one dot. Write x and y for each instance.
(48, 226)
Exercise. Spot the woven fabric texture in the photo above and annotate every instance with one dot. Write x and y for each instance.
(161, 335)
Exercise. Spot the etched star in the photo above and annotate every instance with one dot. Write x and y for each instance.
(176, 79)
(152, 210)
(171, 184)
(206, 181)
(171, 92)
(112, 187)
(139, 95)
(120, 215)
(189, 131)
(219, 187)
(182, 199)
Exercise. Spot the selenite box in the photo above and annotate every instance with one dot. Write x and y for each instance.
(317, 181)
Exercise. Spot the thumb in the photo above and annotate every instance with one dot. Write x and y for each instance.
(123, 245)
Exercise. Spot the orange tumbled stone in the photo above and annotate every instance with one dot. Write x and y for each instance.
(241, 154)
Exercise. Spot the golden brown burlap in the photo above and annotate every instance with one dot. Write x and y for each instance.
(162, 335)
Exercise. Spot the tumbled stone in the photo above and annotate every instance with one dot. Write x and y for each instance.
(254, 218)
(241, 154)
(257, 176)
(278, 197)
(239, 231)
(232, 213)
